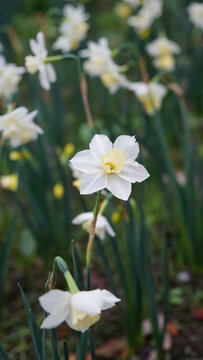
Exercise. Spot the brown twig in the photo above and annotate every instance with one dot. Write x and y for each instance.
(84, 93)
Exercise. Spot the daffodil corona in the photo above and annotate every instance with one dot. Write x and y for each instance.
(110, 166)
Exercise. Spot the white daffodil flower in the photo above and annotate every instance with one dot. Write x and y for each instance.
(99, 58)
(150, 95)
(140, 22)
(37, 62)
(162, 50)
(79, 310)
(113, 80)
(10, 76)
(110, 166)
(77, 176)
(195, 11)
(143, 20)
(18, 126)
(102, 224)
(73, 28)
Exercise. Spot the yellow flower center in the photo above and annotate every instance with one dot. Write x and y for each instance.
(87, 226)
(31, 64)
(165, 62)
(108, 79)
(113, 162)
(81, 320)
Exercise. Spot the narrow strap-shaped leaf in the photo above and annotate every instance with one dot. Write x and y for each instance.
(78, 274)
(91, 342)
(34, 330)
(66, 352)
(4, 353)
(54, 347)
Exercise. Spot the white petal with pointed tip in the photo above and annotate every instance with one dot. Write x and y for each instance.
(101, 145)
(86, 161)
(91, 183)
(133, 171)
(119, 187)
(128, 145)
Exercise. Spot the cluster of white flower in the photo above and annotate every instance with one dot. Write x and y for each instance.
(18, 126)
(10, 76)
(162, 50)
(73, 28)
(195, 11)
(147, 14)
(100, 63)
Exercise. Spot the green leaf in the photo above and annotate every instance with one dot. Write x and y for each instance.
(34, 330)
(54, 347)
(66, 352)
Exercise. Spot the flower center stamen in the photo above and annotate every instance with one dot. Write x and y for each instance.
(114, 161)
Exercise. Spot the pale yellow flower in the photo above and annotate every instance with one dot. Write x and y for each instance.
(9, 182)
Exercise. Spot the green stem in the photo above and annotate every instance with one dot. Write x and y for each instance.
(55, 58)
(91, 238)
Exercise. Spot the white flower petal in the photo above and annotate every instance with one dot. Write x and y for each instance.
(100, 144)
(91, 183)
(51, 73)
(86, 161)
(119, 187)
(89, 302)
(53, 300)
(128, 145)
(54, 320)
(133, 171)
(109, 299)
(79, 219)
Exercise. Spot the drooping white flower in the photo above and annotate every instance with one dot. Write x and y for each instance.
(99, 57)
(79, 311)
(10, 76)
(102, 224)
(110, 166)
(113, 80)
(163, 46)
(100, 63)
(37, 62)
(150, 95)
(140, 22)
(195, 11)
(162, 50)
(18, 126)
(73, 28)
